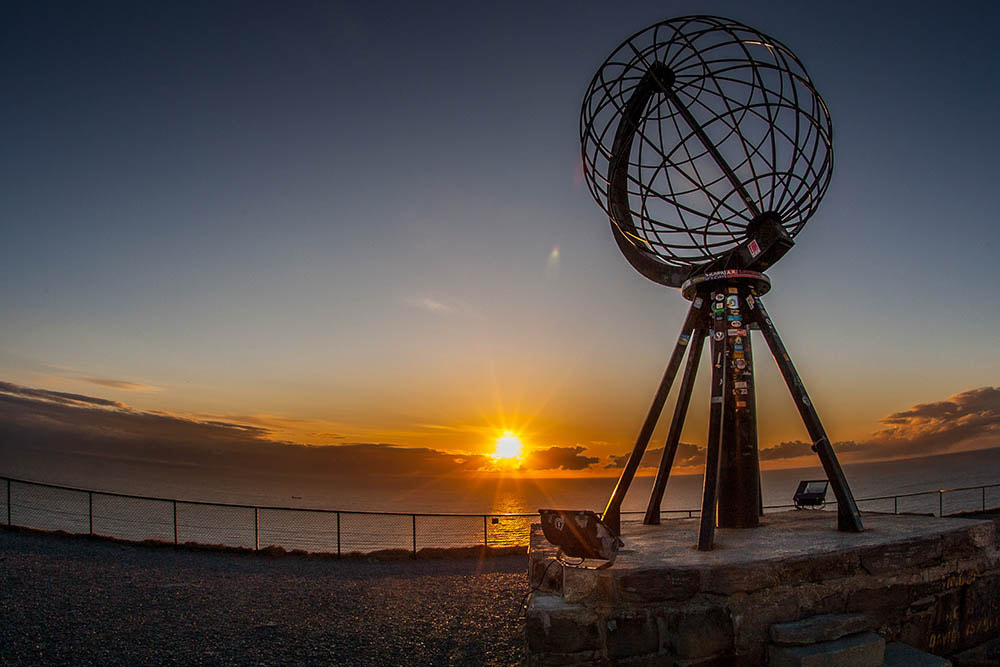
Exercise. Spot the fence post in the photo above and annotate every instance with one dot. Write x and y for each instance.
(175, 521)
(486, 540)
(414, 517)
(940, 503)
(90, 510)
(256, 530)
(338, 534)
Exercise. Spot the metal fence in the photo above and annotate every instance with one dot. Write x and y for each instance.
(137, 518)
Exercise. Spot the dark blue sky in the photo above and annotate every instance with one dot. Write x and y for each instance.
(345, 214)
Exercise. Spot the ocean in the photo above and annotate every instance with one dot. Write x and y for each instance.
(360, 523)
(479, 494)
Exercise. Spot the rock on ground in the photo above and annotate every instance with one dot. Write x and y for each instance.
(66, 600)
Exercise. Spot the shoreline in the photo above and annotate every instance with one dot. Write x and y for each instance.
(273, 551)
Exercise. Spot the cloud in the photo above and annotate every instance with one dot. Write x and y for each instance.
(439, 427)
(687, 455)
(121, 384)
(52, 421)
(968, 417)
(57, 396)
(795, 448)
(42, 420)
(561, 458)
(429, 304)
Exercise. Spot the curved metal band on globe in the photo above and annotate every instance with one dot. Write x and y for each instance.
(758, 280)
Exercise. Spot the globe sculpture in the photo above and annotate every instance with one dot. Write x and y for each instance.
(709, 148)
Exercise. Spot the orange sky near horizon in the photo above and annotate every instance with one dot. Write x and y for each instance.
(479, 431)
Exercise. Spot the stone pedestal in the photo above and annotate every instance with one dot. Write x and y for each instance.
(928, 582)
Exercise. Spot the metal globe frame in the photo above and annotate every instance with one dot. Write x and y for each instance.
(709, 148)
(694, 130)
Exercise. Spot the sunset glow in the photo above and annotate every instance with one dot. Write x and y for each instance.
(508, 447)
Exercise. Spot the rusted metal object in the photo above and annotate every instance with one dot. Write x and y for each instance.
(580, 534)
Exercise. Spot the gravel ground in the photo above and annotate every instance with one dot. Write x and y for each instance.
(78, 601)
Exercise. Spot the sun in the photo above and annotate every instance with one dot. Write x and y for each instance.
(508, 446)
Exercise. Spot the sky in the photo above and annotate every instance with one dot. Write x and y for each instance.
(364, 225)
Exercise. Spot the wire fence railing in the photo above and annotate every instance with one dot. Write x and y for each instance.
(137, 518)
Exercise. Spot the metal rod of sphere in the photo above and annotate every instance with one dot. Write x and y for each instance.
(720, 161)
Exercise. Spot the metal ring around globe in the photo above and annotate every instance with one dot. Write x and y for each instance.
(760, 282)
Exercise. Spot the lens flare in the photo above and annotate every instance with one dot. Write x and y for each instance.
(552, 265)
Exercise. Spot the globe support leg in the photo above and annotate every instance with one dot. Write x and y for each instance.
(612, 513)
(676, 426)
(848, 515)
(710, 490)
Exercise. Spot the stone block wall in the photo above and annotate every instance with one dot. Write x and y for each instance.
(939, 593)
